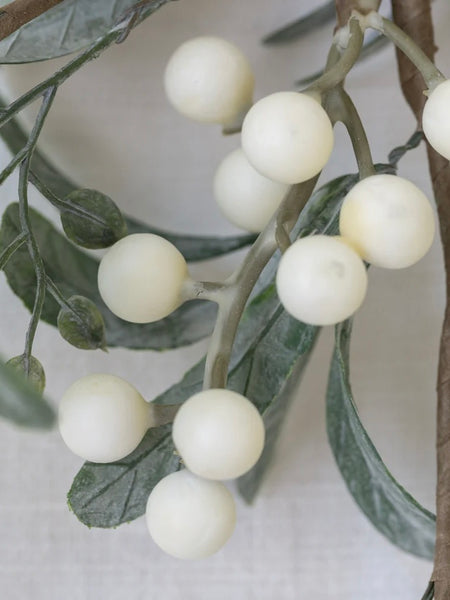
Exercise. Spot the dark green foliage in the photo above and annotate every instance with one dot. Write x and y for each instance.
(32, 370)
(81, 324)
(75, 274)
(108, 495)
(394, 512)
(91, 219)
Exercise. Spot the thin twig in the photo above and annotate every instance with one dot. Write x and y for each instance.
(26, 225)
(238, 287)
(341, 108)
(16, 159)
(6, 254)
(431, 74)
(336, 74)
(57, 294)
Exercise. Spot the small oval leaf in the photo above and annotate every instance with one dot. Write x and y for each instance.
(33, 372)
(91, 219)
(81, 324)
(20, 402)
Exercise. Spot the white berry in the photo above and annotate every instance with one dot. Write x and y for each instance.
(209, 79)
(245, 197)
(102, 418)
(189, 517)
(140, 278)
(389, 220)
(436, 119)
(287, 137)
(321, 280)
(219, 434)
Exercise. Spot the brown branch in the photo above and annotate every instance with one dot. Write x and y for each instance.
(19, 12)
(414, 17)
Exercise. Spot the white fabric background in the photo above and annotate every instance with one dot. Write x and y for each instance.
(112, 129)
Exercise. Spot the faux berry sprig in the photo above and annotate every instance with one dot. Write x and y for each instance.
(287, 138)
(262, 187)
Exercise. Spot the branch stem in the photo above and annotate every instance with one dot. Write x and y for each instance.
(347, 58)
(26, 225)
(340, 107)
(236, 291)
(431, 74)
(16, 159)
(6, 254)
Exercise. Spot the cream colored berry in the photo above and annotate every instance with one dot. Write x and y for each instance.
(245, 197)
(102, 418)
(389, 220)
(436, 119)
(209, 79)
(140, 278)
(189, 517)
(321, 280)
(287, 137)
(219, 434)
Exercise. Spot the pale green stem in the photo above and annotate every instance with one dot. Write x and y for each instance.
(428, 69)
(236, 291)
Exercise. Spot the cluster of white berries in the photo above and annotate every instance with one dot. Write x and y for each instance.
(218, 434)
(287, 138)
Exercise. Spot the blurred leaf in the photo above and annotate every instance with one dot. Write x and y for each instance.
(371, 47)
(65, 28)
(33, 372)
(91, 219)
(390, 508)
(82, 324)
(313, 20)
(55, 186)
(75, 274)
(21, 403)
(106, 495)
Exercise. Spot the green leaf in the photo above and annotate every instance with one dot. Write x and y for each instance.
(371, 47)
(313, 20)
(91, 219)
(21, 403)
(390, 508)
(75, 274)
(81, 324)
(33, 372)
(65, 28)
(55, 186)
(268, 344)
(106, 495)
